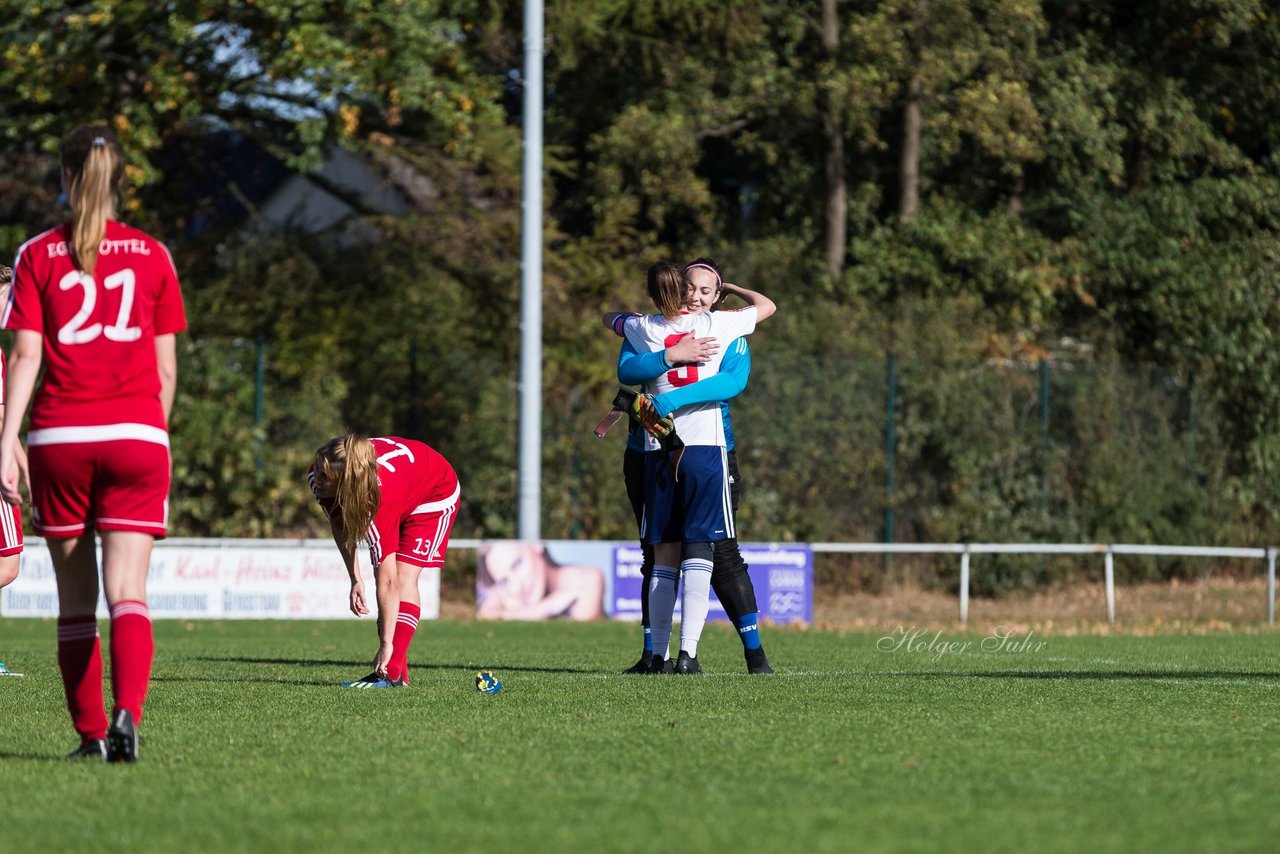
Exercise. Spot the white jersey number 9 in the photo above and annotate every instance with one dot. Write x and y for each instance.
(75, 331)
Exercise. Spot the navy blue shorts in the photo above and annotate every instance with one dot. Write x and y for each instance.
(693, 508)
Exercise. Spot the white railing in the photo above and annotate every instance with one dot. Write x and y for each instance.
(966, 550)
(1107, 551)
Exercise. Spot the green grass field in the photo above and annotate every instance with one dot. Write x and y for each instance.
(1116, 743)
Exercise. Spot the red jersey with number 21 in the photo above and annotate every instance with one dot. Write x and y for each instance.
(99, 330)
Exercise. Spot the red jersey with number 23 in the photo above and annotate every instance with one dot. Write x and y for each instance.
(99, 330)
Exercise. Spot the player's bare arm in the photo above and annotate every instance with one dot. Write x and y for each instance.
(358, 603)
(764, 306)
(167, 364)
(24, 367)
(690, 350)
(614, 320)
(387, 582)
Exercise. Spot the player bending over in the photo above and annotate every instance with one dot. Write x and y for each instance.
(400, 497)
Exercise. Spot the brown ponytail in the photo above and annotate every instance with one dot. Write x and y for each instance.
(348, 465)
(667, 288)
(93, 168)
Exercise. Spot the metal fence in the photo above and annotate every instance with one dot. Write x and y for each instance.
(1108, 552)
(848, 445)
(966, 550)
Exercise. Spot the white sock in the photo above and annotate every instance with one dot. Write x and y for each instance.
(662, 602)
(695, 601)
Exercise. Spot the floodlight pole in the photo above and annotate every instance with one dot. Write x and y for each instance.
(529, 510)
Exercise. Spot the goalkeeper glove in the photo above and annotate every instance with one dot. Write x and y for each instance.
(642, 410)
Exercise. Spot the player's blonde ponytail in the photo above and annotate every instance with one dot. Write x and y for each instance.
(93, 167)
(667, 288)
(348, 465)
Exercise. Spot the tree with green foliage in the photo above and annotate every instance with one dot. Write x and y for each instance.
(981, 187)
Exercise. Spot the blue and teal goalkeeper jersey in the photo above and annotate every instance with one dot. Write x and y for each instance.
(636, 368)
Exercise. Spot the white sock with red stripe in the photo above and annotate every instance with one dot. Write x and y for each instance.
(132, 650)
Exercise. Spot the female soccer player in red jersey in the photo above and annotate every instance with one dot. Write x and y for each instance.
(98, 304)
(10, 518)
(401, 497)
(10, 515)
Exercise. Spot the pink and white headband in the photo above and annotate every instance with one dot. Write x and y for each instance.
(714, 271)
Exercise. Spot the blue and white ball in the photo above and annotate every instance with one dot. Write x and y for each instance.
(487, 683)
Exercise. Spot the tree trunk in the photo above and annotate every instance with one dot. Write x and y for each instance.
(837, 192)
(909, 168)
(1015, 197)
(910, 165)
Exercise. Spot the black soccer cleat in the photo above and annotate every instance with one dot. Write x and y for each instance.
(373, 680)
(641, 666)
(659, 665)
(757, 663)
(122, 738)
(687, 665)
(93, 749)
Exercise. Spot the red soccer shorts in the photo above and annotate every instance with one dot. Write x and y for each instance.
(120, 485)
(10, 530)
(424, 533)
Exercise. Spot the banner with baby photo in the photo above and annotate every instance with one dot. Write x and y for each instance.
(544, 580)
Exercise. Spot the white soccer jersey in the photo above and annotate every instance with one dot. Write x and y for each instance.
(702, 423)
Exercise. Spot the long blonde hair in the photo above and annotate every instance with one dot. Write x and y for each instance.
(348, 465)
(93, 163)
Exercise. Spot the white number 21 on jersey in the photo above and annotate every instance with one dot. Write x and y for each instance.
(75, 331)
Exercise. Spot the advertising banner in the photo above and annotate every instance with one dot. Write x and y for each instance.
(224, 579)
(566, 579)
(782, 576)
